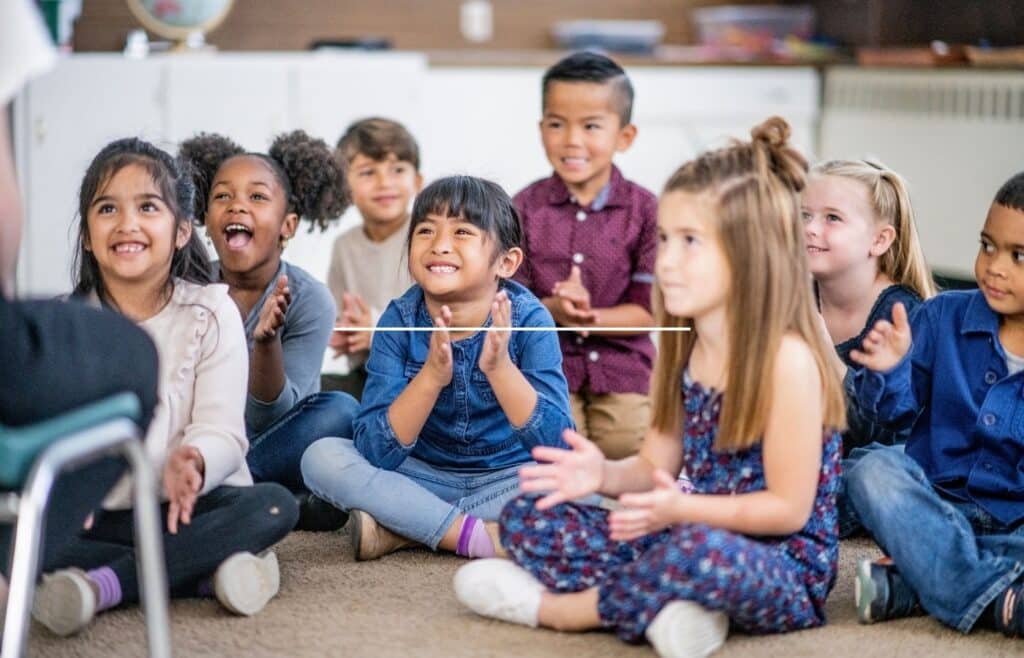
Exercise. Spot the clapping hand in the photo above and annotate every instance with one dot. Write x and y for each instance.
(887, 342)
(273, 311)
(567, 474)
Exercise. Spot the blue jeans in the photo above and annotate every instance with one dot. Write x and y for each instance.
(417, 500)
(849, 522)
(953, 554)
(275, 454)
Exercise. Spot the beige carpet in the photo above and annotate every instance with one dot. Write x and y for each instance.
(402, 605)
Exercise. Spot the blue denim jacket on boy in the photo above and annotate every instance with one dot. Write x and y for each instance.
(467, 429)
(969, 437)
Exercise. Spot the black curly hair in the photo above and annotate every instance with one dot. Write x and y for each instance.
(173, 177)
(305, 167)
(1011, 194)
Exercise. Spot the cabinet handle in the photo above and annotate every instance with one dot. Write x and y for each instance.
(40, 130)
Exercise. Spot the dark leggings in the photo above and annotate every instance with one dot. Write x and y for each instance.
(225, 521)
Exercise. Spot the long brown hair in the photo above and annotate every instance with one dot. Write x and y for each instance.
(755, 187)
(904, 261)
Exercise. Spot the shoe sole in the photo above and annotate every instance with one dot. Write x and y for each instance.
(245, 583)
(685, 629)
(61, 604)
(355, 520)
(864, 592)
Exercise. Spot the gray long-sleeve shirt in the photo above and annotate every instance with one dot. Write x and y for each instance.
(308, 323)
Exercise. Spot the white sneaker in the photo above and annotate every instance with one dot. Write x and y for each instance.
(684, 629)
(498, 588)
(244, 583)
(65, 602)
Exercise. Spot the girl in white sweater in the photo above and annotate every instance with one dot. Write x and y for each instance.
(138, 255)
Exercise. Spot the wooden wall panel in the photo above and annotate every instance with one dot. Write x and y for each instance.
(409, 24)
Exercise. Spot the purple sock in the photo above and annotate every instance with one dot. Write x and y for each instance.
(205, 589)
(474, 540)
(109, 586)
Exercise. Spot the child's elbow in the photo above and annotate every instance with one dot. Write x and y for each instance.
(794, 519)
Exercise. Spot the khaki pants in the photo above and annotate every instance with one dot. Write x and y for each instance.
(616, 422)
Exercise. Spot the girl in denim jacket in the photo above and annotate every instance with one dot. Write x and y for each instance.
(448, 415)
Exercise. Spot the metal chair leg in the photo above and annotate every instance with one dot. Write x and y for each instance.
(117, 436)
(149, 550)
(25, 561)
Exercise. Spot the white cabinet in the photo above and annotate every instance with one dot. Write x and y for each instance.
(475, 120)
(62, 120)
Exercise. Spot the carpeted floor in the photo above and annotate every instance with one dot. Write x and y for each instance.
(403, 605)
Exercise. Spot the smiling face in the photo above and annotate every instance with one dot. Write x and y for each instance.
(581, 132)
(382, 189)
(247, 216)
(692, 269)
(999, 268)
(132, 231)
(840, 227)
(455, 261)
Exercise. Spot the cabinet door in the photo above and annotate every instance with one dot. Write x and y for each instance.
(681, 112)
(245, 98)
(333, 89)
(64, 118)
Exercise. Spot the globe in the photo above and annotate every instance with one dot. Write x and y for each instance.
(177, 19)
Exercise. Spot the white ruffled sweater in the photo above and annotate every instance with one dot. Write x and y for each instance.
(204, 371)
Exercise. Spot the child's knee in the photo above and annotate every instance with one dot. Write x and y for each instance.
(339, 411)
(276, 509)
(325, 460)
(518, 511)
(875, 472)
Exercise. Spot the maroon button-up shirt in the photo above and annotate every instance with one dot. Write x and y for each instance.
(613, 241)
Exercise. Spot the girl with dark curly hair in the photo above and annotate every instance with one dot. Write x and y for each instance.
(251, 205)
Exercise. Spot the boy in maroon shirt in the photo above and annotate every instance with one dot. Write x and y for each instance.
(591, 238)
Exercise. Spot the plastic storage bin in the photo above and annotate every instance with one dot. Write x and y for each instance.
(753, 30)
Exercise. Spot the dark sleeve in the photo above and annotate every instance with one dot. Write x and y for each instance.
(62, 355)
(642, 277)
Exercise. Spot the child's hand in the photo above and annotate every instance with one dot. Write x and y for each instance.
(572, 307)
(355, 313)
(183, 478)
(272, 313)
(568, 475)
(573, 290)
(887, 343)
(439, 360)
(643, 513)
(495, 351)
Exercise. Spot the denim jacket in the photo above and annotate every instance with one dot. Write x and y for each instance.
(467, 429)
(969, 436)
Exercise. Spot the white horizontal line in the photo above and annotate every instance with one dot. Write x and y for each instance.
(600, 330)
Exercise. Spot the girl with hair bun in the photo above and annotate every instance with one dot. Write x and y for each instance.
(748, 404)
(251, 205)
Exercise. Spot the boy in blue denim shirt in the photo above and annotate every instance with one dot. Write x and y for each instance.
(448, 416)
(949, 512)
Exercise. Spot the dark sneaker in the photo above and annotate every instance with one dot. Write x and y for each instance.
(881, 593)
(1009, 611)
(318, 515)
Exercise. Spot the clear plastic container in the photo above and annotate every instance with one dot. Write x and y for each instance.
(753, 29)
(613, 35)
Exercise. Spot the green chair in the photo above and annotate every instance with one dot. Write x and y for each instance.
(31, 459)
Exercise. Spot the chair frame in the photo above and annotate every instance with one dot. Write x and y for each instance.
(117, 436)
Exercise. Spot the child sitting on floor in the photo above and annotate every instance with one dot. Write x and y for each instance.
(448, 416)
